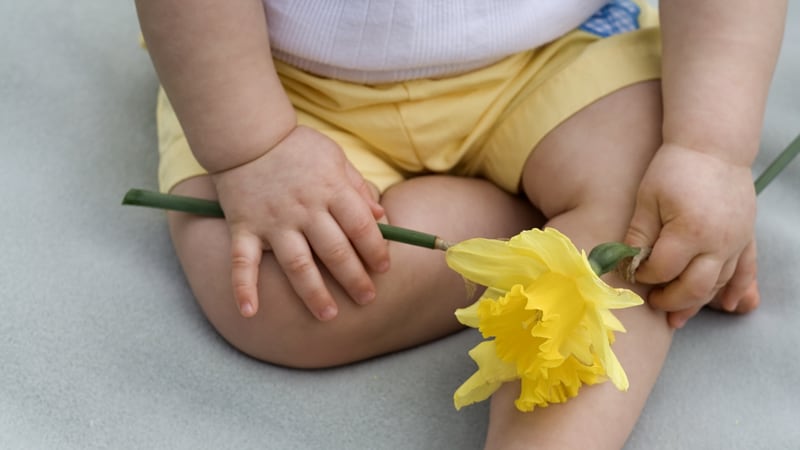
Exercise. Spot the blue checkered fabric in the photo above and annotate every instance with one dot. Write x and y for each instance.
(617, 16)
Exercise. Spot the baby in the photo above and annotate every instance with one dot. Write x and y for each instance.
(311, 120)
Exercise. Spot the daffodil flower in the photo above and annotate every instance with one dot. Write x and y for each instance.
(546, 316)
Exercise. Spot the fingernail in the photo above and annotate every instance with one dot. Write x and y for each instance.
(729, 305)
(247, 310)
(366, 297)
(328, 313)
(384, 266)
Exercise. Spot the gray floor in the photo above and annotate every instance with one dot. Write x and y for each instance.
(101, 345)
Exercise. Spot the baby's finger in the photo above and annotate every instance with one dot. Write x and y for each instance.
(246, 252)
(293, 254)
(670, 257)
(362, 230)
(724, 277)
(368, 191)
(693, 288)
(743, 278)
(645, 224)
(677, 319)
(750, 299)
(337, 254)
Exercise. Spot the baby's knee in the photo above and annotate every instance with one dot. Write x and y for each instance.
(277, 341)
(282, 332)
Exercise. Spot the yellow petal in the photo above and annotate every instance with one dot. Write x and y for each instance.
(553, 249)
(469, 316)
(610, 321)
(595, 289)
(491, 262)
(579, 347)
(602, 348)
(475, 389)
(492, 293)
(491, 374)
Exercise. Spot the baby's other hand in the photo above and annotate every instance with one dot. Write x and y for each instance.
(697, 213)
(302, 199)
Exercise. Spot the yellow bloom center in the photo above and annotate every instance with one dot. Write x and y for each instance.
(539, 330)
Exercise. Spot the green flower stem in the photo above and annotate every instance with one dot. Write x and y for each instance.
(198, 206)
(607, 256)
(777, 166)
(211, 208)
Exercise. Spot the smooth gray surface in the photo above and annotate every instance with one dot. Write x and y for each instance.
(102, 346)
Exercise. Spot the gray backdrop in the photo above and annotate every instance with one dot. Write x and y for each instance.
(102, 346)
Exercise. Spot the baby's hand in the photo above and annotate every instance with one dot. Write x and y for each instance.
(697, 212)
(302, 198)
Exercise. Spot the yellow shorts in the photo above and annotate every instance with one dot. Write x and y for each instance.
(483, 123)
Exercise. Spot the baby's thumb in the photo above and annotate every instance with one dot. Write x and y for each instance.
(642, 233)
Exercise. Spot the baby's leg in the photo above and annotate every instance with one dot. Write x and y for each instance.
(584, 176)
(416, 298)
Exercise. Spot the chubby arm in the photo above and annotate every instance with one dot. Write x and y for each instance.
(696, 202)
(283, 187)
(213, 59)
(718, 61)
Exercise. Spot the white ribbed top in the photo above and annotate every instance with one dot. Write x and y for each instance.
(377, 41)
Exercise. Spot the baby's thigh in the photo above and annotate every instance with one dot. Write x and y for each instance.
(598, 156)
(415, 299)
